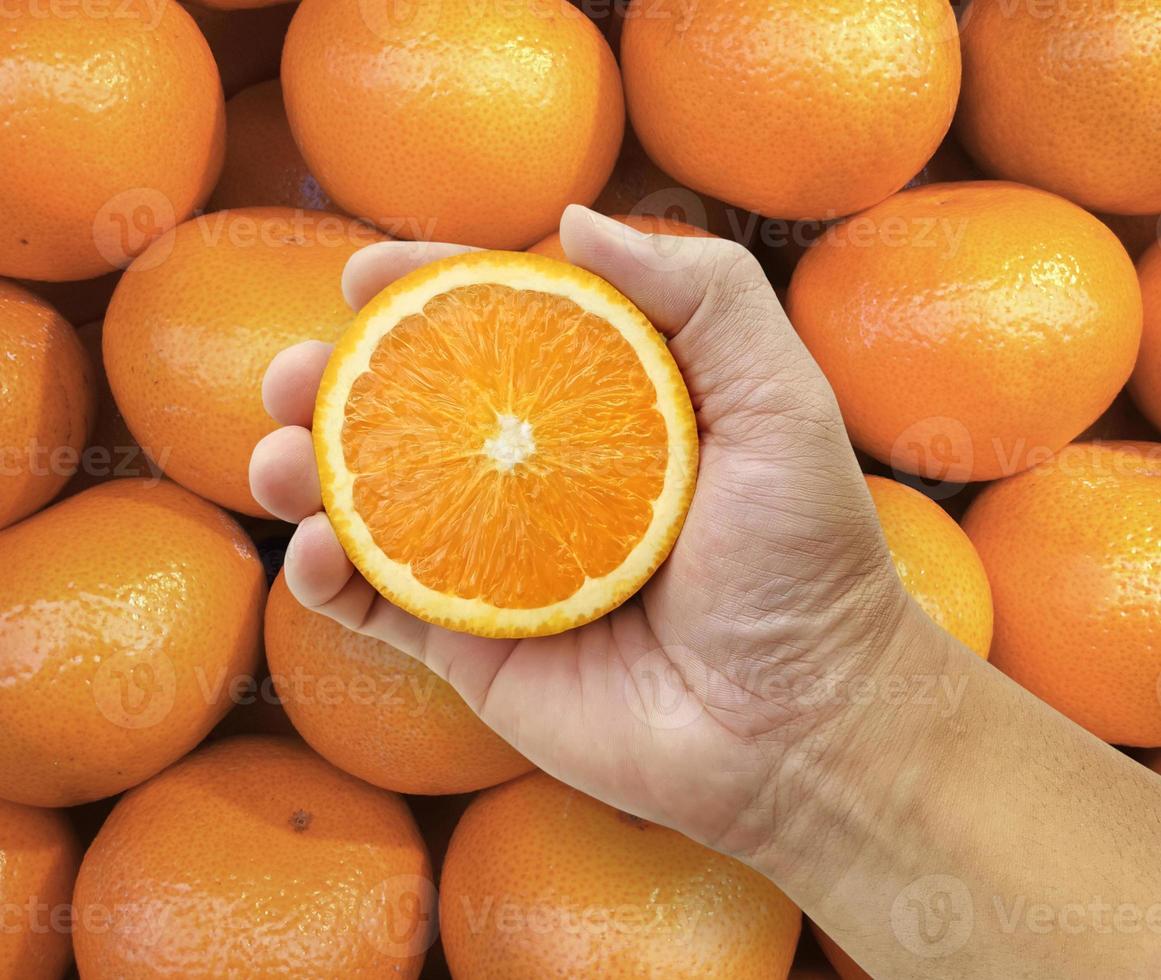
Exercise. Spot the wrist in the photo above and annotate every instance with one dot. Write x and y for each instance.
(866, 751)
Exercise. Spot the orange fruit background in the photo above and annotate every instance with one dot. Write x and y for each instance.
(246, 44)
(375, 712)
(49, 402)
(670, 907)
(125, 613)
(196, 320)
(716, 96)
(263, 163)
(969, 329)
(254, 857)
(1067, 96)
(936, 561)
(111, 130)
(1146, 380)
(1072, 549)
(39, 857)
(485, 123)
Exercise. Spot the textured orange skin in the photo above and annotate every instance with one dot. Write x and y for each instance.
(247, 44)
(197, 319)
(112, 129)
(970, 329)
(639, 186)
(718, 96)
(39, 857)
(461, 121)
(375, 712)
(647, 223)
(1073, 551)
(937, 563)
(1145, 385)
(541, 880)
(252, 858)
(49, 402)
(844, 966)
(125, 613)
(264, 166)
(1067, 96)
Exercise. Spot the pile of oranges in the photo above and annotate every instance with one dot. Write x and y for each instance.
(961, 207)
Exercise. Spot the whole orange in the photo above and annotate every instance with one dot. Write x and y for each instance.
(458, 121)
(263, 163)
(49, 402)
(1146, 381)
(1072, 548)
(791, 109)
(247, 44)
(541, 880)
(126, 612)
(39, 857)
(649, 224)
(971, 329)
(112, 128)
(196, 320)
(936, 561)
(1067, 96)
(253, 857)
(375, 712)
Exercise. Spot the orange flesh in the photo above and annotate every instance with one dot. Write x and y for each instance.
(506, 445)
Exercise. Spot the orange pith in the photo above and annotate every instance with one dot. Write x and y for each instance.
(461, 446)
(505, 442)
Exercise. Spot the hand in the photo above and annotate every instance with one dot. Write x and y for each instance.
(682, 705)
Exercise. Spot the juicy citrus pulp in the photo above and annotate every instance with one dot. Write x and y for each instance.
(506, 445)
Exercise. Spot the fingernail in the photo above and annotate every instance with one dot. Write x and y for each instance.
(610, 226)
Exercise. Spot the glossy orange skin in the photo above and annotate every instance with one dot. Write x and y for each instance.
(39, 857)
(1146, 381)
(638, 186)
(969, 330)
(717, 95)
(648, 224)
(844, 966)
(541, 880)
(459, 121)
(125, 613)
(264, 166)
(376, 712)
(246, 44)
(49, 402)
(936, 561)
(115, 120)
(1067, 96)
(197, 319)
(1072, 548)
(254, 858)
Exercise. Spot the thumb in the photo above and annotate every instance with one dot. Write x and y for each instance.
(727, 331)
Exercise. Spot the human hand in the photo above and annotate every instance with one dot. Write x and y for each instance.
(683, 705)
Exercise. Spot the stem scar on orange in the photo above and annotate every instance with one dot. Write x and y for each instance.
(506, 445)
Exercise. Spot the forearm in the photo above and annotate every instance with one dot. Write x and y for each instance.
(964, 829)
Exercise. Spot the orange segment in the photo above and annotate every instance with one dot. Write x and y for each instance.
(506, 445)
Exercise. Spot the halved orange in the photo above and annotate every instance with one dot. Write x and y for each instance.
(506, 446)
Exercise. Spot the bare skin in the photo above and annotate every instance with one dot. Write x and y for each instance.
(772, 692)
